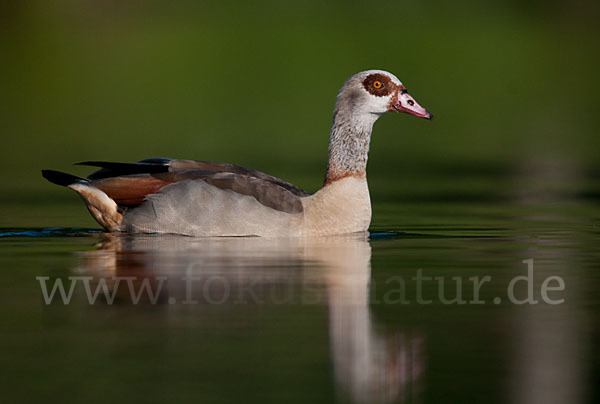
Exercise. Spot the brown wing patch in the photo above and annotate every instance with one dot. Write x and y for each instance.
(130, 190)
(379, 85)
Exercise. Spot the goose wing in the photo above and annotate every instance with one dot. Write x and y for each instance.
(129, 183)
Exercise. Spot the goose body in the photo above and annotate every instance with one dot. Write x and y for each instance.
(199, 198)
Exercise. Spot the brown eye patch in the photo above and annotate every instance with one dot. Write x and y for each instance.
(379, 84)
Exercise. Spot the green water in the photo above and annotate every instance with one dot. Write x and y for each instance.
(321, 319)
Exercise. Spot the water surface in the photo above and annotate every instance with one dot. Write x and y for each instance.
(315, 320)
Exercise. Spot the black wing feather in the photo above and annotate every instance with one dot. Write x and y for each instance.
(112, 169)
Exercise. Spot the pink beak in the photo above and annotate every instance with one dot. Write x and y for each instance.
(406, 103)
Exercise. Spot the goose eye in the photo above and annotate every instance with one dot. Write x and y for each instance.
(377, 84)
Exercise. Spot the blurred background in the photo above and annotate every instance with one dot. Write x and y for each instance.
(254, 83)
(508, 170)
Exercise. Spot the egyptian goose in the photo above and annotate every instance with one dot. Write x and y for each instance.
(199, 198)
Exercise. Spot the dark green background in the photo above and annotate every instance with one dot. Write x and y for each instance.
(255, 83)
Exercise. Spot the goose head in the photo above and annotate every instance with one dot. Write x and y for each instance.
(361, 101)
(372, 93)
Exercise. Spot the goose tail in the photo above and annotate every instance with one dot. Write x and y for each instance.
(63, 179)
(104, 209)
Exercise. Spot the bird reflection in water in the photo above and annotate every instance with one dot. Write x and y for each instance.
(370, 365)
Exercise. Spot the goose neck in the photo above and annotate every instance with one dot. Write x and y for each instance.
(349, 146)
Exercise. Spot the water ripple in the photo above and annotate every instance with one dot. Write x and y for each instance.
(47, 232)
